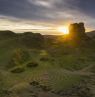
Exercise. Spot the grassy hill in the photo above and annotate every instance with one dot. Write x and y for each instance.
(32, 65)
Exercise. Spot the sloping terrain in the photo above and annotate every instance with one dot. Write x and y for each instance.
(33, 68)
(91, 34)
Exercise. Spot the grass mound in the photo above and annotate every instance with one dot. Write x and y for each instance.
(32, 64)
(18, 70)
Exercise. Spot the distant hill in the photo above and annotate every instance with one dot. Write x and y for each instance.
(28, 39)
(6, 34)
(91, 34)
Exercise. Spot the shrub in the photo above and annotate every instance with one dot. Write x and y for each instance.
(32, 64)
(34, 83)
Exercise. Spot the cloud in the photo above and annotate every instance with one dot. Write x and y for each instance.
(18, 25)
(45, 10)
(49, 11)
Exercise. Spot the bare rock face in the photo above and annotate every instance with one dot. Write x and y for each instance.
(77, 30)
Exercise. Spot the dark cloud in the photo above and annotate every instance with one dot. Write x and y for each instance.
(87, 6)
(17, 8)
(32, 9)
(49, 10)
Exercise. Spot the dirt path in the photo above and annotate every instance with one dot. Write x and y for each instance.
(87, 68)
(83, 71)
(77, 72)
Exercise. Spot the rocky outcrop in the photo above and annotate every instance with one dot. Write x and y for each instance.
(77, 30)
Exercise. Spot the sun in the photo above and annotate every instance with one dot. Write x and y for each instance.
(64, 30)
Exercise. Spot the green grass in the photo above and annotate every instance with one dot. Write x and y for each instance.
(50, 72)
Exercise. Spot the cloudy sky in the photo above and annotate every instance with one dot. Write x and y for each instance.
(45, 15)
